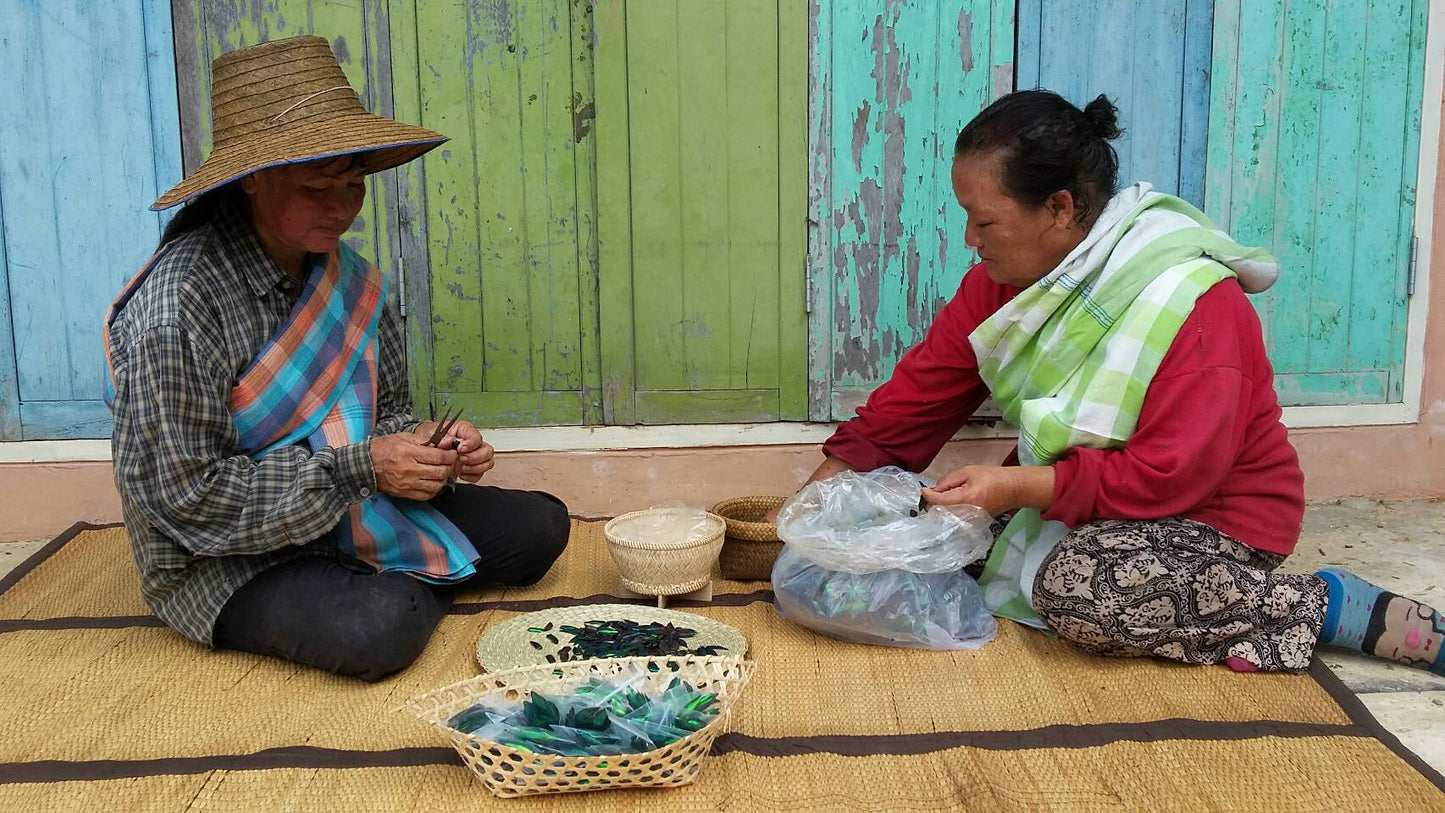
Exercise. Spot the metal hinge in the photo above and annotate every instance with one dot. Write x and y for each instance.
(808, 296)
(1414, 264)
(401, 280)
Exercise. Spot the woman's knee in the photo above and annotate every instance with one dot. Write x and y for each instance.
(544, 537)
(391, 633)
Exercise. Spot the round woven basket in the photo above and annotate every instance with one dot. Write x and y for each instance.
(510, 644)
(508, 772)
(752, 543)
(670, 567)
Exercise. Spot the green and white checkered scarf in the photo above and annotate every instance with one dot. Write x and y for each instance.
(1069, 359)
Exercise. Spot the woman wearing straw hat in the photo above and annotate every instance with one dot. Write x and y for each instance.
(1154, 491)
(279, 497)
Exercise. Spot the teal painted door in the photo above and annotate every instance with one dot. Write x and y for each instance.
(1152, 59)
(892, 84)
(88, 140)
(1314, 134)
(701, 110)
(503, 213)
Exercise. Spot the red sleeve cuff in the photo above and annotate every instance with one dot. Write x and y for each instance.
(857, 451)
(1076, 482)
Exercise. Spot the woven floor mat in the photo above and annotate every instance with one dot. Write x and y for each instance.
(137, 717)
(91, 575)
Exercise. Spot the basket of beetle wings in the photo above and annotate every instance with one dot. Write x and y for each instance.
(588, 725)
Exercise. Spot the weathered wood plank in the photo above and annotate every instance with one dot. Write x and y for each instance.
(882, 201)
(498, 409)
(446, 58)
(584, 137)
(1294, 227)
(707, 406)
(614, 219)
(1194, 118)
(657, 260)
(9, 377)
(1374, 298)
(792, 209)
(703, 124)
(1337, 214)
(65, 420)
(753, 196)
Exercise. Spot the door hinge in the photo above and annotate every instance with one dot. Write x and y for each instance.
(401, 282)
(808, 296)
(1414, 265)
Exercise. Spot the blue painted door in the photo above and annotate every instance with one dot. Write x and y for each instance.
(1152, 59)
(1314, 136)
(96, 143)
(892, 83)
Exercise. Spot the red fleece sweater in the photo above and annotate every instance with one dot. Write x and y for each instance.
(1209, 446)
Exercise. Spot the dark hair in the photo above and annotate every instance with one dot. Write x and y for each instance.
(199, 210)
(1046, 145)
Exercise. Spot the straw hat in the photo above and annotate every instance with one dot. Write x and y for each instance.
(285, 102)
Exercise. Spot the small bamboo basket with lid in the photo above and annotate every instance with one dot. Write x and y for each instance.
(653, 560)
(509, 772)
(752, 543)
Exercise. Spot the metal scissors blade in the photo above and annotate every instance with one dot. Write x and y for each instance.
(444, 426)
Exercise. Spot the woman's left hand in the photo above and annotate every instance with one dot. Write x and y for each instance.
(475, 457)
(995, 489)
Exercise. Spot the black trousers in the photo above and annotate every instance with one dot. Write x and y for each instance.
(319, 612)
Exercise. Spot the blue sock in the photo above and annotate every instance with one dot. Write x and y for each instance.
(1348, 609)
(1368, 618)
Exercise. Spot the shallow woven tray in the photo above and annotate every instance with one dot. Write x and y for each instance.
(752, 544)
(508, 772)
(507, 645)
(663, 568)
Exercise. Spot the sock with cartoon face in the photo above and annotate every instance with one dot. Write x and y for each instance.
(1368, 618)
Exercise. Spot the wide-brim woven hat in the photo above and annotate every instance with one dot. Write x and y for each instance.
(286, 102)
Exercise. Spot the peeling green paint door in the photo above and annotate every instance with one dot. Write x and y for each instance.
(701, 112)
(1314, 137)
(500, 218)
(892, 84)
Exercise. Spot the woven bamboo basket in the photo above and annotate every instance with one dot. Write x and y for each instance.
(752, 543)
(669, 567)
(508, 772)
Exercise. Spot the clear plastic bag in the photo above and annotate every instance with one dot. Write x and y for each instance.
(865, 560)
(629, 714)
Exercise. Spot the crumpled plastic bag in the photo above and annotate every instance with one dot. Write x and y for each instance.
(865, 560)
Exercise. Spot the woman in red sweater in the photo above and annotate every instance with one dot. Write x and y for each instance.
(1160, 534)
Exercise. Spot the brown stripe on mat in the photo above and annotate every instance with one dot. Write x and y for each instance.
(1056, 736)
(35, 559)
(1356, 710)
(298, 756)
(531, 605)
(79, 622)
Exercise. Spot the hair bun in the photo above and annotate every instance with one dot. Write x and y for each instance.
(1103, 117)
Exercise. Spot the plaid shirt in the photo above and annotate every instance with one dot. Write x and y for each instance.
(203, 517)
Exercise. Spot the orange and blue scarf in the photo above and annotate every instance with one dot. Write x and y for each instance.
(315, 381)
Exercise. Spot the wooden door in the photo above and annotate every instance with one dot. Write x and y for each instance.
(893, 83)
(89, 139)
(1152, 59)
(500, 219)
(1314, 135)
(701, 185)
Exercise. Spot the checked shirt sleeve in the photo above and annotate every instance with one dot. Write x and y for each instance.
(175, 459)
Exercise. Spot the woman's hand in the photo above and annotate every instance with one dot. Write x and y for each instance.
(475, 457)
(995, 489)
(406, 467)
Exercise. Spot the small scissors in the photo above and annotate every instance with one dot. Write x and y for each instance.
(443, 427)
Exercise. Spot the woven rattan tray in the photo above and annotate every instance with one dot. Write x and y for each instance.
(508, 772)
(508, 645)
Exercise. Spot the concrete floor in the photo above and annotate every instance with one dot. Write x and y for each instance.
(1400, 546)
